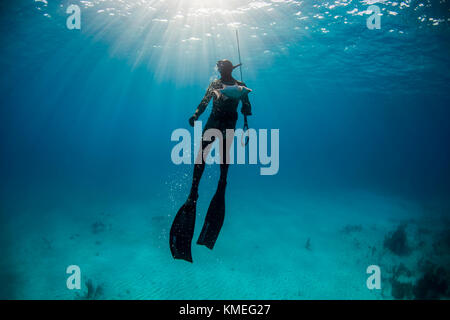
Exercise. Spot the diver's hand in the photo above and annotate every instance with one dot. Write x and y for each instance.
(192, 120)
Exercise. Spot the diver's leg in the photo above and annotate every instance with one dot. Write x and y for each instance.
(216, 211)
(199, 168)
(223, 172)
(225, 157)
(198, 172)
(183, 225)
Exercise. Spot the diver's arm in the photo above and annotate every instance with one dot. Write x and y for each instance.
(203, 104)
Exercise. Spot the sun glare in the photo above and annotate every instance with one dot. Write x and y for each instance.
(173, 35)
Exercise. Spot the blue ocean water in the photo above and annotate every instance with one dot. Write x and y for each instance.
(86, 118)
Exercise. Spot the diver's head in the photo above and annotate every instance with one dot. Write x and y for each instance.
(225, 67)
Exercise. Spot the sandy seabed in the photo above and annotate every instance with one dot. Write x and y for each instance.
(279, 246)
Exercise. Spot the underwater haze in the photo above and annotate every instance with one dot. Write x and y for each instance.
(86, 118)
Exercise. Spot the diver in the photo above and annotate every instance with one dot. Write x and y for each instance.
(226, 93)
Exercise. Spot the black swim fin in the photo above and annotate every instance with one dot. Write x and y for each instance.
(182, 231)
(214, 218)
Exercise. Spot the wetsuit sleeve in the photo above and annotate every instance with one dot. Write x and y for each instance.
(204, 103)
(246, 106)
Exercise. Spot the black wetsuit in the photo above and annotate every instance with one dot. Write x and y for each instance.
(223, 116)
(224, 112)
